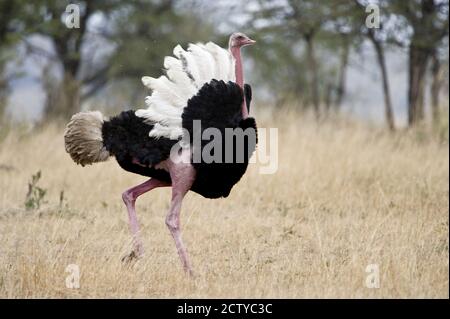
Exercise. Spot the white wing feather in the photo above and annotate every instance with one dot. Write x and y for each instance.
(186, 72)
(223, 61)
(204, 62)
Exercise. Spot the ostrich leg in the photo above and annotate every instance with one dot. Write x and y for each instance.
(182, 175)
(129, 198)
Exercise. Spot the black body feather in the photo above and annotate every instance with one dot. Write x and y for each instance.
(248, 95)
(218, 105)
(126, 137)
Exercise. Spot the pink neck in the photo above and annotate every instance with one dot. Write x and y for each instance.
(236, 53)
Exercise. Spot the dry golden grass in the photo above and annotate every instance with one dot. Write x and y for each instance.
(344, 196)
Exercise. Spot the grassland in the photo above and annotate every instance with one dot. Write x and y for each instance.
(345, 196)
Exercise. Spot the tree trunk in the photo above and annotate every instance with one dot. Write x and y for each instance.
(436, 85)
(418, 60)
(4, 90)
(327, 97)
(63, 99)
(71, 88)
(343, 64)
(385, 82)
(313, 72)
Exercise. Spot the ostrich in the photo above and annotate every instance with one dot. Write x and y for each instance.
(205, 83)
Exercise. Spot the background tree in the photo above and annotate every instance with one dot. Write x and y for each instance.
(428, 22)
(378, 37)
(46, 18)
(293, 35)
(437, 82)
(9, 11)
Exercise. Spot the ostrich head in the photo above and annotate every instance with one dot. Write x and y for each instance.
(238, 40)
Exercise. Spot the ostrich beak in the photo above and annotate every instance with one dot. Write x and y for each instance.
(249, 42)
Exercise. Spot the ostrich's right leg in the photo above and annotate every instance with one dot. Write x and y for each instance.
(183, 176)
(129, 198)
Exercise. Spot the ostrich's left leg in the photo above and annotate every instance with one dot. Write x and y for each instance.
(129, 198)
(182, 176)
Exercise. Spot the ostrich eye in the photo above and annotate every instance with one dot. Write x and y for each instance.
(240, 37)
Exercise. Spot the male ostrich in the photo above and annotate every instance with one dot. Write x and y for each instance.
(204, 83)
